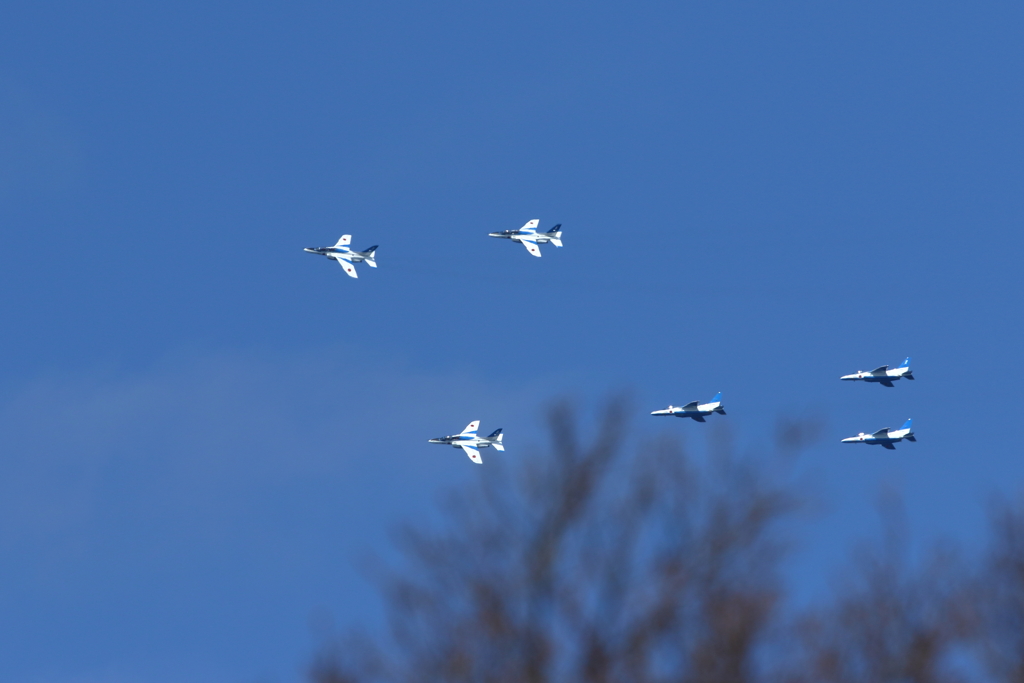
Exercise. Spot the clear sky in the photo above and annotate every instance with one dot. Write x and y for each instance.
(203, 429)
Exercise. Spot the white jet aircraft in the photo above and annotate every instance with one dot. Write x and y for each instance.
(883, 375)
(345, 257)
(530, 238)
(885, 437)
(470, 442)
(695, 410)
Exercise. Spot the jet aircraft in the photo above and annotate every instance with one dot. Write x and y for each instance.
(470, 442)
(885, 437)
(883, 375)
(345, 257)
(530, 238)
(695, 410)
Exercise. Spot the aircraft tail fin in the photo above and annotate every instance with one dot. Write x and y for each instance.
(906, 363)
(555, 235)
(496, 434)
(907, 425)
(371, 256)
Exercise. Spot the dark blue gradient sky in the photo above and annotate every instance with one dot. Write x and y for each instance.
(203, 429)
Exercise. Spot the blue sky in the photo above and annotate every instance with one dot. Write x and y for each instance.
(203, 429)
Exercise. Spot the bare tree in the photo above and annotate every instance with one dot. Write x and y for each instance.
(1002, 588)
(893, 621)
(590, 564)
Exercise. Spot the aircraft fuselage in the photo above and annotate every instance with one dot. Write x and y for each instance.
(889, 376)
(458, 441)
(518, 236)
(886, 439)
(698, 412)
(335, 253)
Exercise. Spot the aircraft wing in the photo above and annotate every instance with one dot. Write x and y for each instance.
(531, 247)
(531, 226)
(473, 454)
(698, 418)
(880, 370)
(692, 405)
(886, 444)
(881, 432)
(349, 268)
(886, 383)
(471, 427)
(344, 241)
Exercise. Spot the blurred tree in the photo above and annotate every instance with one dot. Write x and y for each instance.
(890, 622)
(1002, 588)
(591, 565)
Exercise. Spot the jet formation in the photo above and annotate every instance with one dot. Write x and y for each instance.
(882, 374)
(471, 443)
(345, 257)
(530, 238)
